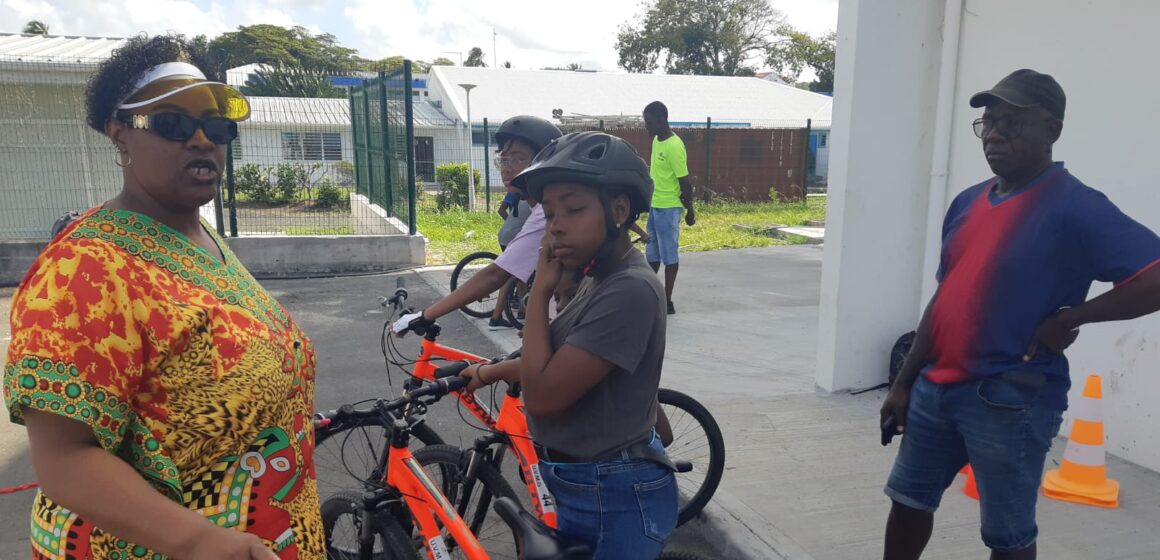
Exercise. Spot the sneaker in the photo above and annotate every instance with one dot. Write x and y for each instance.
(499, 325)
(672, 310)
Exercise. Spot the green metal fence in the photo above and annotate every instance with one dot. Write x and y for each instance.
(381, 116)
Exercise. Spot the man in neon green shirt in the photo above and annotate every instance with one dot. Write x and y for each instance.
(672, 195)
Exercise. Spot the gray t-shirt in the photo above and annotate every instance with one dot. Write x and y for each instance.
(622, 320)
(513, 224)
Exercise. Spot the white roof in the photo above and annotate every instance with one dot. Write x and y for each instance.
(326, 112)
(40, 49)
(503, 93)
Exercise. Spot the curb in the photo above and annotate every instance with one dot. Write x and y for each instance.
(726, 522)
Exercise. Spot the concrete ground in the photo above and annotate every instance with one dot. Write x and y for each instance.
(343, 318)
(804, 469)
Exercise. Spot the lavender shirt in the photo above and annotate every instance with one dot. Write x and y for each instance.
(523, 252)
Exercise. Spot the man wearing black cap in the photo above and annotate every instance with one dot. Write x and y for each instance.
(986, 380)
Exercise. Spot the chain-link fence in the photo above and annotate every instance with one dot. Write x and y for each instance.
(382, 111)
(295, 169)
(771, 160)
(51, 162)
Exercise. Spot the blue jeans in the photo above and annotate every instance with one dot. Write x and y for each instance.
(664, 235)
(621, 509)
(996, 425)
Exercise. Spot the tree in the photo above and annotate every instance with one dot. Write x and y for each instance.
(797, 50)
(274, 45)
(441, 61)
(507, 64)
(290, 81)
(475, 58)
(35, 28)
(706, 37)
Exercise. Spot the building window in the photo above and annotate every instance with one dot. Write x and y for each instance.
(822, 140)
(750, 149)
(425, 158)
(477, 137)
(311, 146)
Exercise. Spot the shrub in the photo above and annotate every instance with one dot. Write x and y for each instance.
(328, 195)
(288, 179)
(453, 178)
(252, 182)
(344, 172)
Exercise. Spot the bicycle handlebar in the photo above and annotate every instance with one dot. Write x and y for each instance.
(434, 391)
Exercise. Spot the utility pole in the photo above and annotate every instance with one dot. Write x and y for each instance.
(494, 56)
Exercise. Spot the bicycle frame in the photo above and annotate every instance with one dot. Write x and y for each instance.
(429, 507)
(511, 422)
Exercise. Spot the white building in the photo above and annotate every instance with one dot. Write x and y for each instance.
(50, 160)
(730, 101)
(903, 148)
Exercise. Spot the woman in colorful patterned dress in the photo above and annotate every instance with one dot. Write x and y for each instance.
(167, 396)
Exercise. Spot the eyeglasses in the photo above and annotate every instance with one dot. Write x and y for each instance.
(511, 162)
(180, 128)
(1007, 127)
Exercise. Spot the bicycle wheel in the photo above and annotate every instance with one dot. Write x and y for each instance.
(517, 305)
(468, 267)
(346, 455)
(697, 439)
(474, 503)
(342, 519)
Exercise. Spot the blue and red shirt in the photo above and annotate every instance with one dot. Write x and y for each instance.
(1009, 262)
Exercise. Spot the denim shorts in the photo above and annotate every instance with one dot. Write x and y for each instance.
(1001, 429)
(664, 235)
(621, 509)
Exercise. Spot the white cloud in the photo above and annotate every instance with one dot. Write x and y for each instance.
(531, 33)
(122, 18)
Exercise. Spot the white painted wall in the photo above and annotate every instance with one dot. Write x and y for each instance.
(883, 106)
(868, 299)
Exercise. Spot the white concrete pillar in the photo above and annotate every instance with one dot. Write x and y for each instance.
(885, 97)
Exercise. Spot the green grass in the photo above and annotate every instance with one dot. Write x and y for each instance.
(455, 234)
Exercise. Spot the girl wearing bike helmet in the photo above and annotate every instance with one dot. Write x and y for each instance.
(519, 138)
(590, 379)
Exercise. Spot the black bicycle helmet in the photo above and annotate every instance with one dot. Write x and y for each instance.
(535, 131)
(590, 158)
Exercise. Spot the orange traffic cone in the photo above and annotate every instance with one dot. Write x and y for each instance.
(970, 490)
(1083, 475)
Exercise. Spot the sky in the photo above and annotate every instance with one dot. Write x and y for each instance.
(528, 33)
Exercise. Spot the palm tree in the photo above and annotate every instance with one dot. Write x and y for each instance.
(36, 28)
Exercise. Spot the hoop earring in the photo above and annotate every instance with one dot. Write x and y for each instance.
(128, 162)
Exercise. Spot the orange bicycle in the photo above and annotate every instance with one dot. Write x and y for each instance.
(697, 447)
(378, 523)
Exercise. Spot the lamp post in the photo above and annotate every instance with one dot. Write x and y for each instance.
(470, 149)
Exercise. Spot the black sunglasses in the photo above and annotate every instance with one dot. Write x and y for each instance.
(180, 128)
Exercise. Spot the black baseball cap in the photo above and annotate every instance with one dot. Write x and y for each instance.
(1025, 88)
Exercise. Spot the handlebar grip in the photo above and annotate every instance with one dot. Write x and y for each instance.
(451, 370)
(401, 282)
(456, 384)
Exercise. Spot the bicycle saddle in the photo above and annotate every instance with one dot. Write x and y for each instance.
(536, 541)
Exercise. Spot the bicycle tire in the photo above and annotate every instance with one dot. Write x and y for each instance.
(345, 455)
(392, 542)
(515, 303)
(495, 536)
(706, 451)
(483, 308)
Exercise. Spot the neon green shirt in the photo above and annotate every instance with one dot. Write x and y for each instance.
(669, 164)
